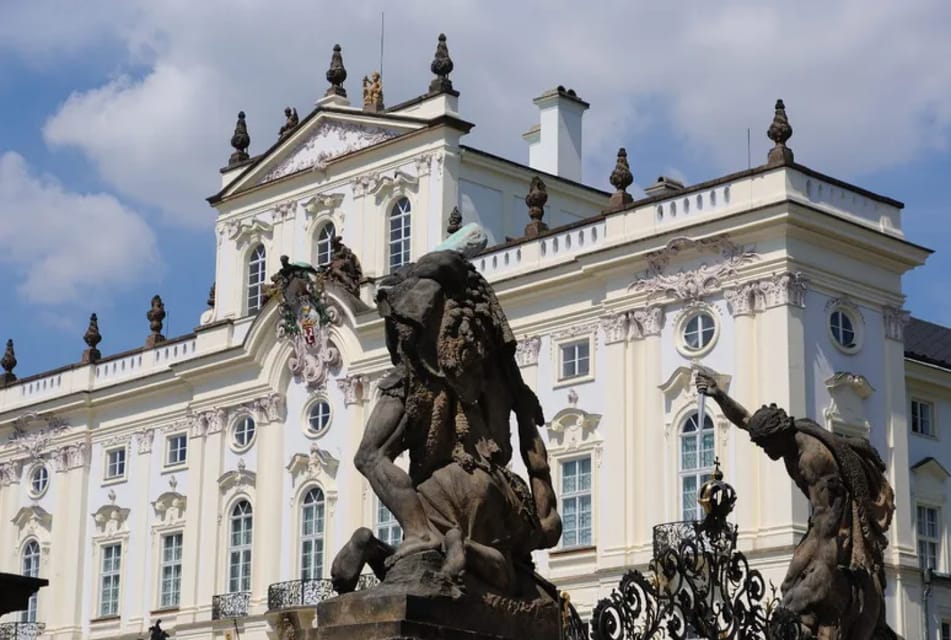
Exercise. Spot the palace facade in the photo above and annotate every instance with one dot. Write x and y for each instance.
(207, 479)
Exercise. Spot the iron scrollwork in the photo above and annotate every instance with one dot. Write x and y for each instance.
(21, 630)
(697, 585)
(230, 605)
(297, 593)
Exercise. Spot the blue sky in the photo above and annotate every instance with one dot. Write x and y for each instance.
(114, 121)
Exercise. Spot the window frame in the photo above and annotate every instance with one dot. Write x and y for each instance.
(682, 325)
(405, 240)
(108, 477)
(32, 570)
(168, 463)
(565, 496)
(854, 317)
(245, 549)
(255, 267)
(308, 410)
(937, 540)
(165, 563)
(33, 491)
(313, 568)
(566, 343)
(700, 473)
(933, 432)
(114, 573)
(322, 242)
(237, 446)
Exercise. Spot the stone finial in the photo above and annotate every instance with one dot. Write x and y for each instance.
(442, 67)
(290, 122)
(621, 179)
(155, 316)
(779, 132)
(8, 362)
(211, 296)
(455, 221)
(336, 74)
(373, 93)
(240, 140)
(536, 199)
(92, 338)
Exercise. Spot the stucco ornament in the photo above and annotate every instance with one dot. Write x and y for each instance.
(696, 283)
(526, 351)
(33, 433)
(306, 316)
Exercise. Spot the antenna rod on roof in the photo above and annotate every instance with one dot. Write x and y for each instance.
(749, 158)
(381, 46)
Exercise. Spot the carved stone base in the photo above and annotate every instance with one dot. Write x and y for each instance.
(416, 603)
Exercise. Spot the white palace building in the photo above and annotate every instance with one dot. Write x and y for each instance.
(207, 479)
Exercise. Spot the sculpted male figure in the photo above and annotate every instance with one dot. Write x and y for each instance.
(835, 582)
(448, 402)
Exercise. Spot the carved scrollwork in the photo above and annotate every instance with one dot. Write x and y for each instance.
(526, 351)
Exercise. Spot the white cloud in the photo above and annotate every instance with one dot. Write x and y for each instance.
(67, 245)
(866, 84)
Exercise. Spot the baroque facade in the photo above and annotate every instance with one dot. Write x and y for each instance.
(207, 479)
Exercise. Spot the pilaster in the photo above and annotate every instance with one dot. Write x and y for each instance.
(266, 541)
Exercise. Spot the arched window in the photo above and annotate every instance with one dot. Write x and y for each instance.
(312, 536)
(31, 568)
(239, 566)
(256, 277)
(399, 233)
(325, 244)
(696, 462)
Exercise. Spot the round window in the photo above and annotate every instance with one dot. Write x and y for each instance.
(243, 432)
(843, 329)
(39, 481)
(318, 418)
(698, 331)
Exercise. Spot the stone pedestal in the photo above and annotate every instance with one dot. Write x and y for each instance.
(415, 602)
(373, 615)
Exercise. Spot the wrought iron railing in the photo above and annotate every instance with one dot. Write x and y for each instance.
(230, 605)
(297, 593)
(21, 630)
(697, 586)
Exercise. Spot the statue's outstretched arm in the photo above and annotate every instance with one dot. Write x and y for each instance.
(733, 410)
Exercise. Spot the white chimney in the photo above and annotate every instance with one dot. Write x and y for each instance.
(554, 145)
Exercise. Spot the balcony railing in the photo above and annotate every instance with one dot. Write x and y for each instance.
(21, 630)
(298, 593)
(230, 605)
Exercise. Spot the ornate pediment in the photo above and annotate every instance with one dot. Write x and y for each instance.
(572, 427)
(33, 521)
(318, 464)
(170, 507)
(680, 389)
(235, 479)
(931, 467)
(327, 140)
(846, 412)
(110, 519)
(33, 434)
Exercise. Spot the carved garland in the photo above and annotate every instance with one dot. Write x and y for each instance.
(784, 288)
(692, 284)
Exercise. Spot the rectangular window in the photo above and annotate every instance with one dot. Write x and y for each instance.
(922, 418)
(945, 630)
(575, 359)
(171, 571)
(576, 503)
(929, 537)
(176, 449)
(109, 581)
(115, 463)
(387, 527)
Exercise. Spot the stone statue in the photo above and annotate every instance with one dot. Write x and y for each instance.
(373, 92)
(290, 123)
(344, 267)
(467, 519)
(156, 632)
(835, 582)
